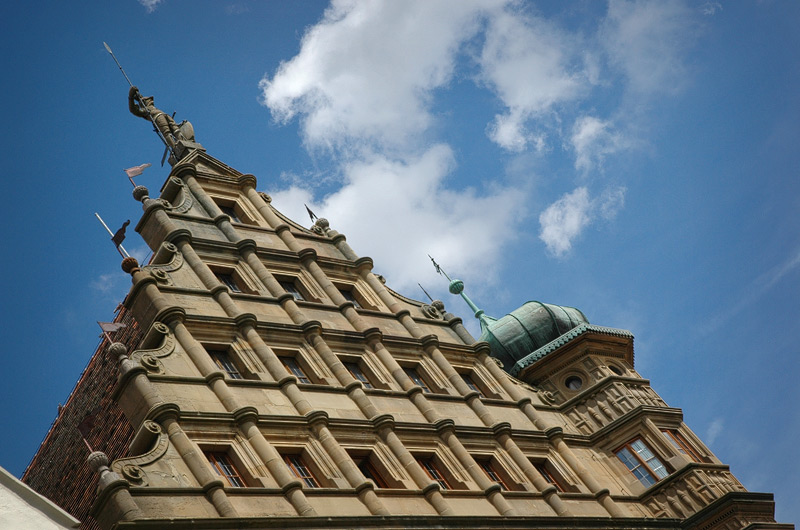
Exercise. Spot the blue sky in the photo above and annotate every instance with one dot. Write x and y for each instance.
(637, 160)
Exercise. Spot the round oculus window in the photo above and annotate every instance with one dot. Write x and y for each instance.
(573, 382)
(615, 369)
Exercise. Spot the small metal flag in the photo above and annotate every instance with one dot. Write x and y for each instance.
(116, 237)
(119, 235)
(310, 213)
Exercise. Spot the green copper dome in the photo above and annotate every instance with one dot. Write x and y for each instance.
(527, 329)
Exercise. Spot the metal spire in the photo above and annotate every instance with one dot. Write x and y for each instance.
(457, 287)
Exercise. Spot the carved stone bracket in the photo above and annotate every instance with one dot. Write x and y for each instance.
(321, 227)
(131, 468)
(167, 250)
(149, 358)
(187, 200)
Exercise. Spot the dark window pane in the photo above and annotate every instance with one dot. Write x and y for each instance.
(230, 212)
(412, 373)
(299, 469)
(492, 473)
(348, 295)
(471, 384)
(223, 360)
(224, 467)
(433, 472)
(290, 363)
(228, 281)
(357, 373)
(291, 288)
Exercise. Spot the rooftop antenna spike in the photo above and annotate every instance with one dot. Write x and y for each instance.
(140, 100)
(426, 292)
(457, 287)
(108, 49)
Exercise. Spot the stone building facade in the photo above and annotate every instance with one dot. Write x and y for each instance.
(268, 379)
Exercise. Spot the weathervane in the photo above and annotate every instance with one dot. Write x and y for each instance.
(177, 137)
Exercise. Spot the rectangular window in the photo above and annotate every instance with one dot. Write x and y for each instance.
(369, 471)
(414, 376)
(680, 443)
(492, 473)
(230, 212)
(541, 467)
(642, 462)
(433, 472)
(224, 467)
(471, 384)
(228, 281)
(348, 295)
(290, 287)
(300, 470)
(223, 360)
(291, 365)
(357, 373)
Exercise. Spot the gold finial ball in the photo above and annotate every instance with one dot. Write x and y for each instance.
(129, 264)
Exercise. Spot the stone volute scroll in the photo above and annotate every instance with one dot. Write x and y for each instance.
(150, 358)
(131, 468)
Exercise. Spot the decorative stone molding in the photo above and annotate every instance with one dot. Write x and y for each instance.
(316, 417)
(501, 428)
(149, 358)
(131, 468)
(244, 414)
(312, 327)
(553, 432)
(429, 342)
(373, 336)
(321, 227)
(384, 421)
(187, 199)
(245, 319)
(444, 425)
(431, 312)
(245, 245)
(690, 490)
(364, 263)
(307, 254)
(160, 271)
(247, 180)
(353, 385)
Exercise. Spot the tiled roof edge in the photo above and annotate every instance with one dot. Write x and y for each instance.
(562, 340)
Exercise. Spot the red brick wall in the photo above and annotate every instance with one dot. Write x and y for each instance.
(59, 470)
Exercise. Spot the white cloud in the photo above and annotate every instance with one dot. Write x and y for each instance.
(526, 61)
(645, 40)
(150, 5)
(105, 283)
(400, 211)
(563, 221)
(365, 84)
(711, 8)
(366, 71)
(593, 140)
(714, 430)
